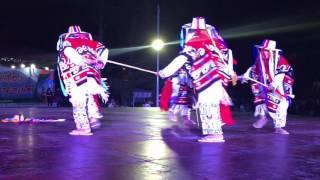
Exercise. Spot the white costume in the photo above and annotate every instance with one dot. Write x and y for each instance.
(80, 59)
(273, 70)
(207, 81)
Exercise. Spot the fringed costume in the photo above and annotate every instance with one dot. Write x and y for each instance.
(206, 62)
(273, 70)
(80, 59)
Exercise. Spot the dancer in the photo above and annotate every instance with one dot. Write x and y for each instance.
(177, 94)
(272, 81)
(198, 51)
(79, 60)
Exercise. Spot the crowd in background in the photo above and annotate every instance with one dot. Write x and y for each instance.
(307, 103)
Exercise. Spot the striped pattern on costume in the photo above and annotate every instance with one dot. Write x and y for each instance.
(204, 72)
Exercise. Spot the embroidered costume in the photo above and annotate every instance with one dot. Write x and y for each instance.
(206, 65)
(80, 58)
(273, 70)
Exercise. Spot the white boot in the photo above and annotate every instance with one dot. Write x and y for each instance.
(281, 131)
(94, 123)
(81, 132)
(260, 122)
(212, 138)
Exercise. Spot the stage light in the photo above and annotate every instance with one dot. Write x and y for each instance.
(13, 67)
(157, 44)
(46, 68)
(22, 66)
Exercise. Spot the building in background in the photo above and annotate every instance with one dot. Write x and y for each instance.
(24, 84)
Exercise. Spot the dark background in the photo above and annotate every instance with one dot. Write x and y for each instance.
(29, 31)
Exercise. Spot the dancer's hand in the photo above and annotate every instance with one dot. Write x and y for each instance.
(234, 79)
(104, 97)
(243, 80)
(244, 77)
(99, 65)
(158, 73)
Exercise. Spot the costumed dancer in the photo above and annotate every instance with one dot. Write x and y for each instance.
(224, 64)
(198, 51)
(272, 82)
(79, 60)
(176, 95)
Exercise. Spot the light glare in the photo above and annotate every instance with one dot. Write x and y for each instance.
(157, 44)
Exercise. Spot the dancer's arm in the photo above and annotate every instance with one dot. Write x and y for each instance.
(173, 67)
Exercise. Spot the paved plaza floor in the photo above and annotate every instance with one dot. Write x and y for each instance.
(141, 143)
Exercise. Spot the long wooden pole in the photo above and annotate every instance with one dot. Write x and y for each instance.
(132, 67)
(264, 85)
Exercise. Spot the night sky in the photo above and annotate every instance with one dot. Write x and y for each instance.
(29, 31)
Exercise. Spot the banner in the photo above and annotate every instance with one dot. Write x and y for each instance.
(22, 83)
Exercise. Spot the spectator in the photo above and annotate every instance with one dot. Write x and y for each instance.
(43, 96)
(49, 95)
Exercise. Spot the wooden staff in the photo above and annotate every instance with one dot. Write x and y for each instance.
(264, 85)
(132, 67)
(249, 78)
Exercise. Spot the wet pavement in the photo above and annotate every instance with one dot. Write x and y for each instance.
(141, 143)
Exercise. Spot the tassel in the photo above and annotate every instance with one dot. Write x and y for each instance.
(166, 95)
(226, 115)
